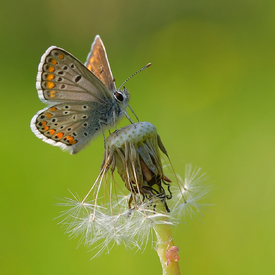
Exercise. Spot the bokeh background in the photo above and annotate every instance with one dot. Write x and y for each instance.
(211, 94)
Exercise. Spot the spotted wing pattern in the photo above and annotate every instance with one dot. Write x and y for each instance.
(69, 125)
(80, 103)
(61, 77)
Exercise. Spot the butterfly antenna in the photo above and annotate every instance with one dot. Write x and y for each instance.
(146, 66)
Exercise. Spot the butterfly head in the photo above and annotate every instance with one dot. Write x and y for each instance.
(122, 97)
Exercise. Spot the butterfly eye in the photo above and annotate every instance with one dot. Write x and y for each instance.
(118, 96)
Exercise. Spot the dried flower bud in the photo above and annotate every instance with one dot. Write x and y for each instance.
(134, 150)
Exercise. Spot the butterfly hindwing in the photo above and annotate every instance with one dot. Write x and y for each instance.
(69, 125)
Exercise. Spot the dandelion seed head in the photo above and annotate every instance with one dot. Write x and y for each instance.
(131, 213)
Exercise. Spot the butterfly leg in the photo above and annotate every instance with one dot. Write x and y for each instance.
(102, 131)
(133, 112)
(129, 118)
(103, 135)
(114, 118)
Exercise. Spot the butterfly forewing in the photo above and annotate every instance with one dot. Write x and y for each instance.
(98, 63)
(62, 78)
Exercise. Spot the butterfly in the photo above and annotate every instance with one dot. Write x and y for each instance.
(82, 98)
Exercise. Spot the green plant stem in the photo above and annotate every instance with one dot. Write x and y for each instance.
(164, 243)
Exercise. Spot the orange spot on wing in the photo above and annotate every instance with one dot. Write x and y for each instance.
(53, 108)
(61, 56)
(50, 85)
(51, 94)
(48, 115)
(59, 135)
(71, 140)
(44, 123)
(46, 128)
(50, 76)
(52, 131)
(54, 61)
(51, 69)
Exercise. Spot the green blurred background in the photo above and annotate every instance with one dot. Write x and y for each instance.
(211, 94)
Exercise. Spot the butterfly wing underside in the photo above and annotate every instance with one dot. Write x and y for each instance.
(75, 95)
(97, 62)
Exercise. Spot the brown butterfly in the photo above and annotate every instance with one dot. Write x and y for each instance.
(82, 99)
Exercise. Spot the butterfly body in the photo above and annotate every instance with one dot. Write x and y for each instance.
(83, 100)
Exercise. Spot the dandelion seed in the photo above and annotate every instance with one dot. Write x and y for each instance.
(191, 192)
